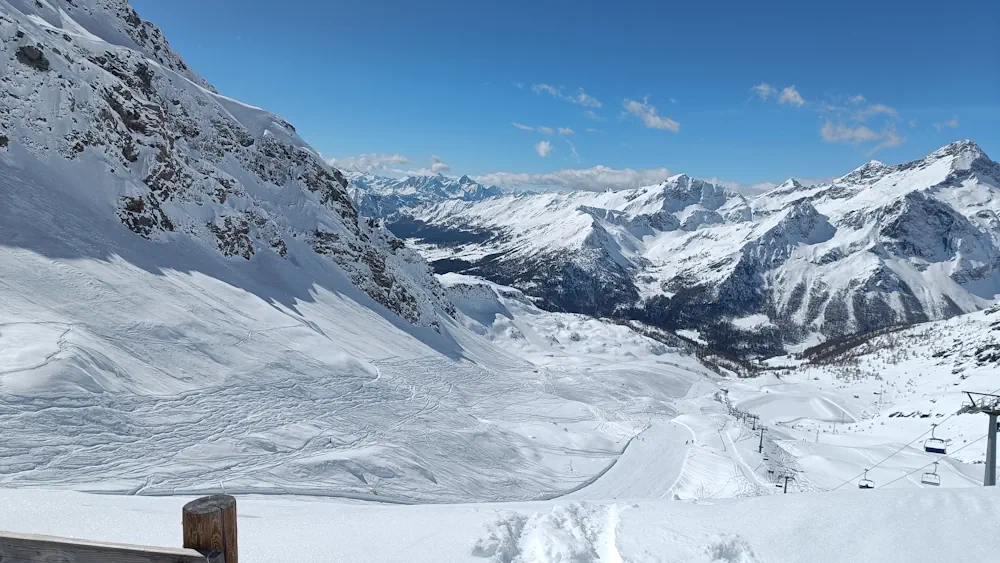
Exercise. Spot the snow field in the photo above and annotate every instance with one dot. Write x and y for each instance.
(875, 527)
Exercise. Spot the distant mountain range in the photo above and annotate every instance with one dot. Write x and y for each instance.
(380, 196)
(882, 245)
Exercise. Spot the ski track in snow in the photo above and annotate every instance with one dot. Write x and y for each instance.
(161, 368)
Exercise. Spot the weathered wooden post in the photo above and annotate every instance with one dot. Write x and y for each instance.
(210, 525)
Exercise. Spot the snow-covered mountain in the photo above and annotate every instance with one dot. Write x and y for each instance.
(191, 300)
(882, 245)
(100, 114)
(381, 196)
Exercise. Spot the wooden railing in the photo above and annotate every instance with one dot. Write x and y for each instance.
(209, 526)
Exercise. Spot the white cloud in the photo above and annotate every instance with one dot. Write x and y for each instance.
(952, 123)
(519, 84)
(875, 109)
(913, 123)
(586, 100)
(649, 116)
(599, 178)
(573, 154)
(539, 88)
(543, 129)
(764, 90)
(840, 133)
(438, 166)
(859, 99)
(789, 95)
(890, 138)
(589, 114)
(592, 130)
(581, 97)
(543, 148)
(369, 162)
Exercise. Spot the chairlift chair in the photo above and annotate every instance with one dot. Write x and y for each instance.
(865, 482)
(935, 445)
(932, 478)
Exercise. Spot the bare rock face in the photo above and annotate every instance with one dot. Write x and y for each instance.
(181, 160)
(33, 57)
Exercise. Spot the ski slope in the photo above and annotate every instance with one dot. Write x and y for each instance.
(875, 527)
(140, 367)
(265, 342)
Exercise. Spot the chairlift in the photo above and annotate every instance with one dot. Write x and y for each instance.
(865, 482)
(932, 478)
(935, 445)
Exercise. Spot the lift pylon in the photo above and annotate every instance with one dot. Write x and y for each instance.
(988, 404)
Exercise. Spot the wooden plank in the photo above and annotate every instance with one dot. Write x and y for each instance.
(18, 548)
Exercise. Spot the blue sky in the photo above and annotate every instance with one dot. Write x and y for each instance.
(743, 91)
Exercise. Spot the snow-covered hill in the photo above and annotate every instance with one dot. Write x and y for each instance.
(191, 303)
(99, 116)
(882, 245)
(912, 377)
(874, 527)
(381, 196)
(190, 300)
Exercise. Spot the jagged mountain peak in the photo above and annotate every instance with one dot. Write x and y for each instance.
(683, 183)
(867, 172)
(678, 179)
(790, 186)
(380, 196)
(961, 148)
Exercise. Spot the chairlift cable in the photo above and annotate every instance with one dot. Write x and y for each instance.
(907, 445)
(933, 462)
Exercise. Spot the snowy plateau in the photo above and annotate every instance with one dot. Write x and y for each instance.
(192, 301)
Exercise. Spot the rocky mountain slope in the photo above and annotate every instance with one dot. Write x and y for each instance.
(190, 300)
(880, 246)
(94, 93)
